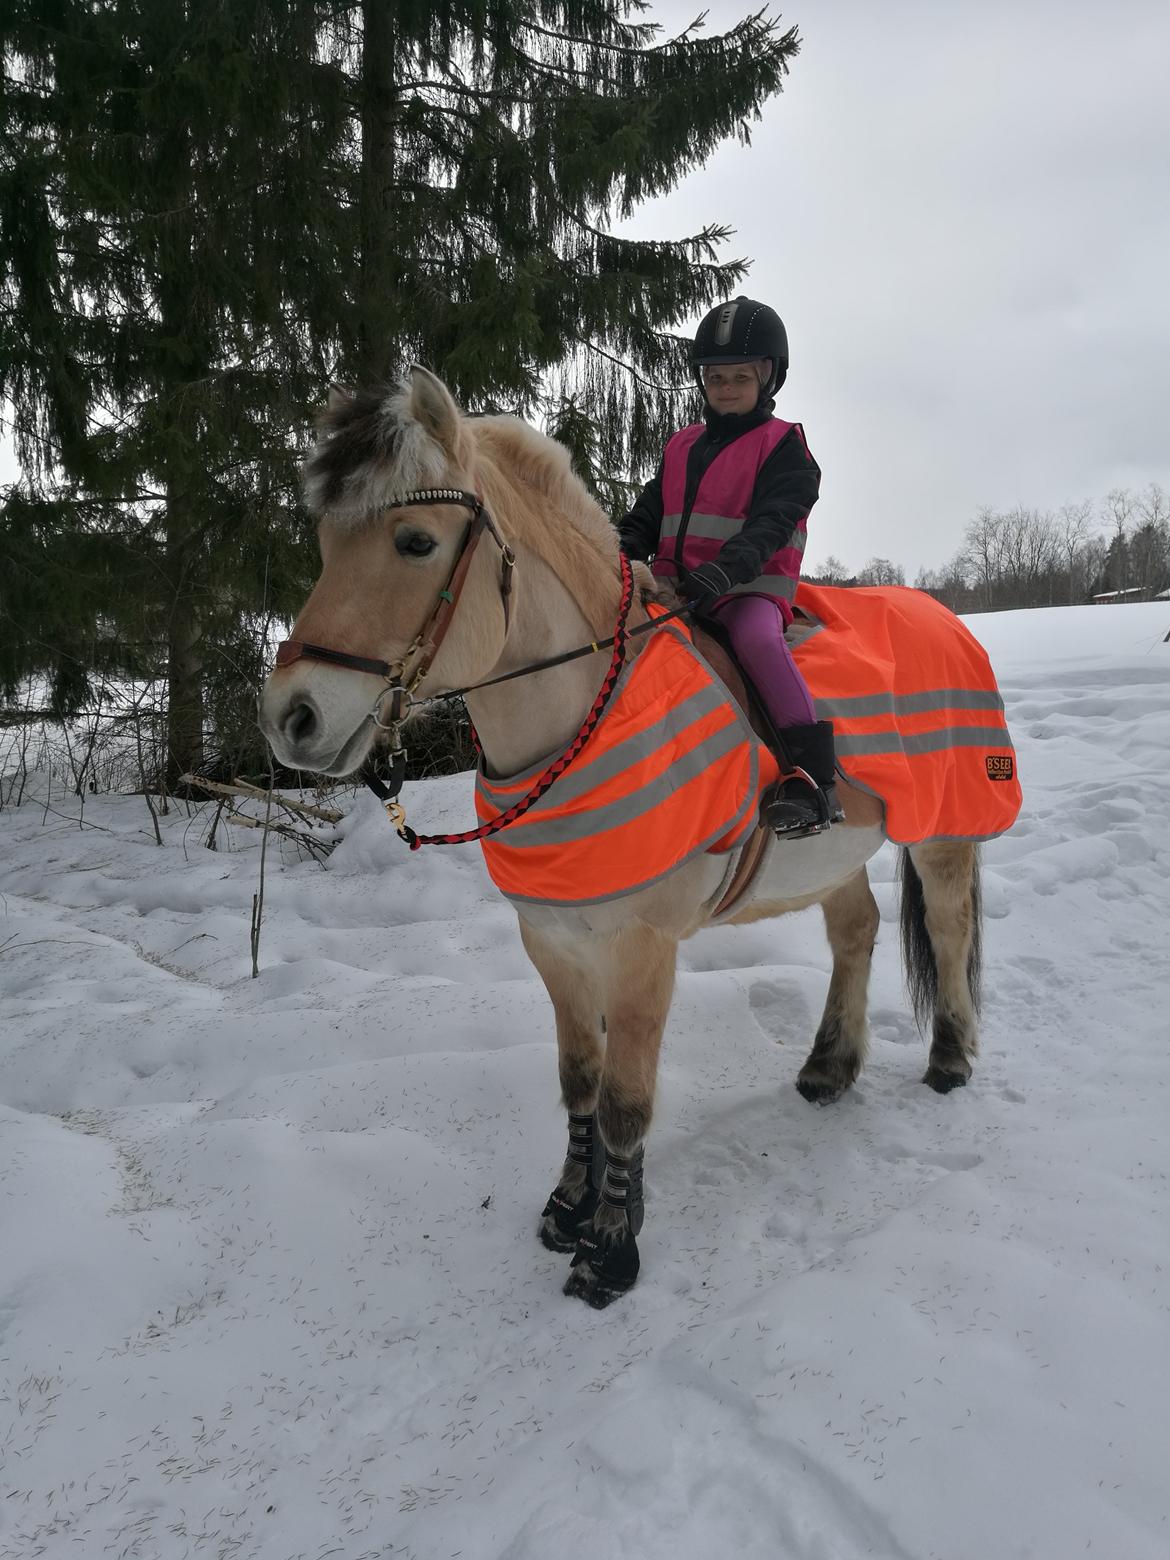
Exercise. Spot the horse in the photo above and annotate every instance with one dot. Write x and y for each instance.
(394, 478)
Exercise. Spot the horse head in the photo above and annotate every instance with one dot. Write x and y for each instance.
(385, 566)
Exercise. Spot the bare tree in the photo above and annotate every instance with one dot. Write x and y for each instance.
(1073, 528)
(1154, 505)
(880, 571)
(981, 553)
(832, 572)
(1028, 557)
(1117, 512)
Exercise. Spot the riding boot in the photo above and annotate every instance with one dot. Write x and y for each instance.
(794, 808)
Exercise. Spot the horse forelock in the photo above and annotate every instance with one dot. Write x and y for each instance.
(368, 448)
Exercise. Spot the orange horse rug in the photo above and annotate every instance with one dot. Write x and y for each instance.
(673, 768)
(917, 717)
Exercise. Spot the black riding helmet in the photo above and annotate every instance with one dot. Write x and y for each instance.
(740, 332)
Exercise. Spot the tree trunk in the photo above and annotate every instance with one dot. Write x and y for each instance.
(184, 649)
(378, 313)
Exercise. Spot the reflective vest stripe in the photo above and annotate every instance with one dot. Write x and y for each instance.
(642, 797)
(609, 764)
(848, 709)
(991, 738)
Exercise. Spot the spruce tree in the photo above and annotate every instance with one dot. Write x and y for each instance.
(212, 207)
(169, 243)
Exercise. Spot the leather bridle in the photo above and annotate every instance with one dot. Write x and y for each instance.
(395, 701)
(426, 644)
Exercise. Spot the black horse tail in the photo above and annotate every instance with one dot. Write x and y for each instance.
(917, 949)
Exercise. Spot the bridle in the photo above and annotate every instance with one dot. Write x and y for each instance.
(396, 701)
(428, 641)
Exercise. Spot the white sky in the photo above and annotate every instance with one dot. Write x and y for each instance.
(962, 212)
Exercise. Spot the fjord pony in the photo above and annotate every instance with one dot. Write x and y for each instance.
(609, 967)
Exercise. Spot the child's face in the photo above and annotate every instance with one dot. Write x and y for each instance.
(732, 387)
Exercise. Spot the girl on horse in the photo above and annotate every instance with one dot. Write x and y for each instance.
(724, 520)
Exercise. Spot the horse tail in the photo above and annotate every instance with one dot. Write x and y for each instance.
(918, 954)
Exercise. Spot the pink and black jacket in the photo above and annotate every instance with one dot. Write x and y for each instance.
(734, 490)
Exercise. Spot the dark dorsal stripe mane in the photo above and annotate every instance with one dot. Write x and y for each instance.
(358, 434)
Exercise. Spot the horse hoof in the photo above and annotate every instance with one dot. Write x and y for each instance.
(555, 1239)
(819, 1093)
(582, 1284)
(943, 1082)
(562, 1221)
(603, 1270)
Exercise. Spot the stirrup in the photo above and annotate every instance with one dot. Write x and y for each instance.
(810, 811)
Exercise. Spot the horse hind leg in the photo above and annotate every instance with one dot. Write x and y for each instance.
(851, 921)
(942, 948)
(639, 985)
(580, 1054)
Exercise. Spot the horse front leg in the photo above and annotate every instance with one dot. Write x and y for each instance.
(577, 1006)
(638, 975)
(851, 921)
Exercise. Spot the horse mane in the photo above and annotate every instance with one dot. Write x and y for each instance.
(527, 479)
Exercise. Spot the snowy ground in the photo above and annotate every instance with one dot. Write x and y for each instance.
(269, 1282)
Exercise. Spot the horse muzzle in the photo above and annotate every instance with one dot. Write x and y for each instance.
(301, 736)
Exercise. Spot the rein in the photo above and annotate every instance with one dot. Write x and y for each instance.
(400, 689)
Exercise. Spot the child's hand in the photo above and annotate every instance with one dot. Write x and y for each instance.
(704, 586)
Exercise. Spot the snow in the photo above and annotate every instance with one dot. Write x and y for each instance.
(270, 1285)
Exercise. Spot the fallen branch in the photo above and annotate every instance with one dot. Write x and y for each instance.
(243, 789)
(318, 848)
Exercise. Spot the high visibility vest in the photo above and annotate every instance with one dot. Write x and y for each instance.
(917, 717)
(671, 770)
(721, 506)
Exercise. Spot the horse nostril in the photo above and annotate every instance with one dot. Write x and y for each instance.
(300, 723)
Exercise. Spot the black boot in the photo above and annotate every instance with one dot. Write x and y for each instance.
(805, 803)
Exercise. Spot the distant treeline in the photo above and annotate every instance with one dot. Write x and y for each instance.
(1042, 558)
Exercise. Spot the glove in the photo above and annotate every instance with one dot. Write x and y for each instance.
(704, 586)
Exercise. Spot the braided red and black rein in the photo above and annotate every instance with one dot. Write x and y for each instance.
(561, 763)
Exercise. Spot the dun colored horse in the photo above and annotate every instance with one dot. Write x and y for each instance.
(395, 480)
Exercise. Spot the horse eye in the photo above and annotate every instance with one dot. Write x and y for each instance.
(414, 544)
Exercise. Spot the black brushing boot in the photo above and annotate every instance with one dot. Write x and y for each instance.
(563, 1220)
(806, 802)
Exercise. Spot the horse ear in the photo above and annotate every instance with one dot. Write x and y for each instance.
(433, 405)
(339, 396)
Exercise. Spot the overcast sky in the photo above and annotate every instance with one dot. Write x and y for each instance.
(962, 212)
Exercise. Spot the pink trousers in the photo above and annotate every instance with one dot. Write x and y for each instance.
(755, 626)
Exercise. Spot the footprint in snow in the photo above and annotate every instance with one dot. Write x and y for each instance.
(778, 1008)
